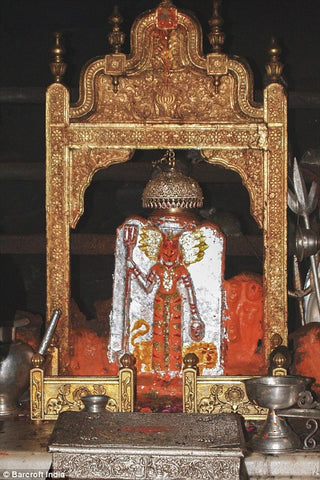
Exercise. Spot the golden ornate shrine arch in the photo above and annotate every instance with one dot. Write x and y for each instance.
(249, 165)
(166, 95)
(85, 162)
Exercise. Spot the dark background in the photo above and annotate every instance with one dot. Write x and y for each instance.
(26, 40)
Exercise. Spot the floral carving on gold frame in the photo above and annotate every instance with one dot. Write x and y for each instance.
(85, 162)
(154, 111)
(202, 394)
(52, 395)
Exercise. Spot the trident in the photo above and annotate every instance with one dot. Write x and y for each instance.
(130, 233)
(303, 203)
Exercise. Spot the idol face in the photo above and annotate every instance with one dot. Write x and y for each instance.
(169, 252)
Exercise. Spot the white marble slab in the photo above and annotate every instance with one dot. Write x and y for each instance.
(297, 466)
(23, 446)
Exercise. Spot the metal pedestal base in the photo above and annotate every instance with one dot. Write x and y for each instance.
(276, 436)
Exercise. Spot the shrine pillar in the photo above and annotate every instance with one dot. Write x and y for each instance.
(57, 215)
(275, 209)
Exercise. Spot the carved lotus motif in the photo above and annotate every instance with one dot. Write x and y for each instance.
(165, 101)
(234, 395)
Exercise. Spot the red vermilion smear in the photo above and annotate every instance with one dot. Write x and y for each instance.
(145, 429)
(90, 354)
(306, 359)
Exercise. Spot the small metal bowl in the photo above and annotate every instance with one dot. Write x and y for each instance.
(95, 403)
(276, 392)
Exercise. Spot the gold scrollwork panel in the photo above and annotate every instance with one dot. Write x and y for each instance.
(126, 390)
(36, 394)
(85, 162)
(222, 395)
(188, 96)
(53, 395)
(161, 135)
(189, 385)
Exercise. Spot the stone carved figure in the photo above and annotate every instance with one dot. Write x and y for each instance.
(171, 254)
(167, 292)
(243, 348)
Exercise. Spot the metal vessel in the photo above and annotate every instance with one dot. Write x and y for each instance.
(15, 364)
(95, 403)
(276, 436)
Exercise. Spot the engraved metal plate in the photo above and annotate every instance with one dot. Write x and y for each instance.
(147, 446)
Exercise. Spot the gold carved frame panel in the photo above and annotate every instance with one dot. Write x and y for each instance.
(159, 108)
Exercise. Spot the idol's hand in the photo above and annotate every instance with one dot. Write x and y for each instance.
(130, 264)
(133, 268)
(196, 328)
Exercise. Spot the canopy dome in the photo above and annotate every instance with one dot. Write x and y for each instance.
(172, 189)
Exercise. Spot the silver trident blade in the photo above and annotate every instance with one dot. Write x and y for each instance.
(300, 202)
(303, 204)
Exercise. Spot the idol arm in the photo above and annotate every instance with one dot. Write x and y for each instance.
(147, 281)
(196, 326)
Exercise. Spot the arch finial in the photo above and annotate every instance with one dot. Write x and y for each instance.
(216, 36)
(274, 67)
(216, 39)
(58, 66)
(116, 36)
(166, 3)
(116, 39)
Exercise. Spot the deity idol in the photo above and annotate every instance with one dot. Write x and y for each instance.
(167, 273)
(167, 295)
